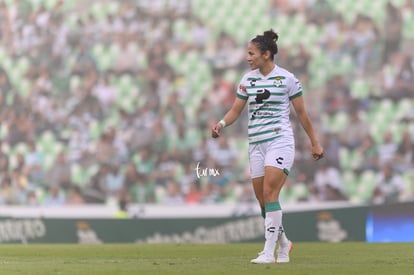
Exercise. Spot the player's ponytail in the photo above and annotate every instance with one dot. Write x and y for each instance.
(267, 42)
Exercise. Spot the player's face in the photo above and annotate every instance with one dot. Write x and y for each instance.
(254, 57)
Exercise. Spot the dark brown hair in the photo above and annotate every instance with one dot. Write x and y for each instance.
(267, 42)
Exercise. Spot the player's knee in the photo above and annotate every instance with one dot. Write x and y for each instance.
(270, 194)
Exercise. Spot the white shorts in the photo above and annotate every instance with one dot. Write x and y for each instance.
(270, 154)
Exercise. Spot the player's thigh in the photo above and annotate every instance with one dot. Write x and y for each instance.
(258, 189)
(257, 155)
(273, 182)
(278, 162)
(280, 157)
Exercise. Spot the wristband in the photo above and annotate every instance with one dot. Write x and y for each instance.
(222, 123)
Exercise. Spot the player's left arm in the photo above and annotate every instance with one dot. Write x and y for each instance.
(299, 106)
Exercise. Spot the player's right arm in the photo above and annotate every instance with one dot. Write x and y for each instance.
(230, 117)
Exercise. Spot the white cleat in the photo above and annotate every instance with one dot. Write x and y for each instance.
(283, 253)
(263, 259)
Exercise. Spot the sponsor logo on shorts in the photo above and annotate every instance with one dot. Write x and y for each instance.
(279, 160)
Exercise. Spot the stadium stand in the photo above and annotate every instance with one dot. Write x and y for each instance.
(116, 98)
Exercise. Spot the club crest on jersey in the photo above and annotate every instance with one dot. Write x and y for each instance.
(278, 81)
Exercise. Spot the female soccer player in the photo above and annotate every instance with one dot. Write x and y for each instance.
(268, 90)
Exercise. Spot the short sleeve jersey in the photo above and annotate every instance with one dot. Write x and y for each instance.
(268, 98)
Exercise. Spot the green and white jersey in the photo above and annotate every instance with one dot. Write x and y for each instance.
(268, 98)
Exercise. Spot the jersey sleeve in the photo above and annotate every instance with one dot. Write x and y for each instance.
(241, 89)
(295, 87)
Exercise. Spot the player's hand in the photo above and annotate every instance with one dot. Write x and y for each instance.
(215, 130)
(317, 151)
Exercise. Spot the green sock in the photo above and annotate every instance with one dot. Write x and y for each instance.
(272, 206)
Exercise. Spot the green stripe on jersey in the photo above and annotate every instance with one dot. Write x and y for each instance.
(268, 102)
(265, 109)
(259, 117)
(253, 78)
(264, 124)
(295, 95)
(242, 96)
(278, 76)
(278, 94)
(261, 133)
(264, 140)
(265, 86)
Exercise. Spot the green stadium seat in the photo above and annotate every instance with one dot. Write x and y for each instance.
(20, 148)
(77, 174)
(231, 76)
(408, 30)
(71, 20)
(98, 10)
(408, 178)
(3, 55)
(202, 9)
(104, 56)
(160, 193)
(181, 29)
(339, 122)
(46, 142)
(310, 35)
(6, 63)
(125, 83)
(10, 98)
(173, 58)
(178, 172)
(92, 170)
(95, 129)
(403, 107)
(360, 88)
(377, 11)
(376, 130)
(112, 120)
(36, 3)
(22, 64)
(23, 87)
(14, 74)
(319, 77)
(344, 66)
(48, 160)
(81, 175)
(113, 7)
(50, 4)
(241, 146)
(74, 82)
(345, 158)
(350, 182)
(386, 111)
(366, 186)
(194, 136)
(397, 128)
(4, 131)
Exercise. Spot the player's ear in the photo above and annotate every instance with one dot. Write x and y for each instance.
(267, 54)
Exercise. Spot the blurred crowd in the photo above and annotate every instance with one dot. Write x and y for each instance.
(92, 109)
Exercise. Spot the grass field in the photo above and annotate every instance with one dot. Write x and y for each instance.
(306, 258)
